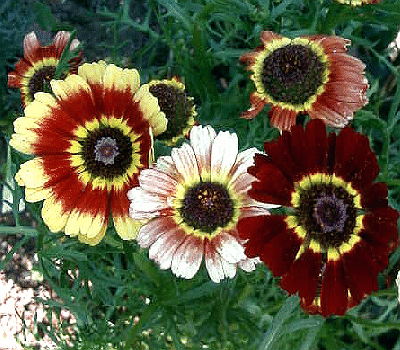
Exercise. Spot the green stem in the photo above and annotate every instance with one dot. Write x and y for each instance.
(12, 230)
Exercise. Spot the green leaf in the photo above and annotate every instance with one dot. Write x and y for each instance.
(44, 16)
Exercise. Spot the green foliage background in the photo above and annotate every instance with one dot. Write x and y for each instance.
(106, 286)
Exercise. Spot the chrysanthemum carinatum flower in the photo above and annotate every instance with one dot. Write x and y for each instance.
(339, 229)
(309, 74)
(89, 141)
(177, 106)
(194, 200)
(34, 71)
(358, 2)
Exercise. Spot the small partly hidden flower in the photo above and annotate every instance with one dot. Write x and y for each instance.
(178, 107)
(34, 71)
(309, 74)
(89, 141)
(358, 2)
(194, 200)
(339, 229)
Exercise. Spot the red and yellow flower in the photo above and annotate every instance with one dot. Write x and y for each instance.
(339, 229)
(308, 74)
(34, 71)
(90, 140)
(178, 107)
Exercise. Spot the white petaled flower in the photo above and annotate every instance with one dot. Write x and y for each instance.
(193, 201)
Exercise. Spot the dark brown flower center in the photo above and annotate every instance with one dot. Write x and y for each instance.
(207, 206)
(176, 106)
(328, 214)
(292, 74)
(107, 152)
(40, 80)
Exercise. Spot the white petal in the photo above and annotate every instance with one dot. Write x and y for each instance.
(201, 139)
(223, 155)
(163, 249)
(153, 180)
(187, 259)
(185, 162)
(145, 205)
(170, 247)
(229, 268)
(243, 161)
(213, 263)
(249, 264)
(149, 232)
(229, 248)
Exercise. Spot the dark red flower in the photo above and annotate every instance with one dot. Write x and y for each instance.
(339, 229)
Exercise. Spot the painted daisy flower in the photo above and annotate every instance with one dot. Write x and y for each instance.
(34, 71)
(177, 106)
(309, 74)
(339, 228)
(89, 141)
(194, 200)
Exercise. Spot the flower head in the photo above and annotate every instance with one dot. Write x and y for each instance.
(89, 141)
(34, 71)
(309, 74)
(177, 106)
(339, 228)
(194, 200)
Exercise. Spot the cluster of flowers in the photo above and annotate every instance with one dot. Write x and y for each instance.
(91, 136)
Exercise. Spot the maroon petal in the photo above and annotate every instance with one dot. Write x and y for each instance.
(259, 230)
(355, 162)
(316, 152)
(334, 296)
(303, 276)
(272, 186)
(374, 195)
(279, 253)
(380, 227)
(361, 272)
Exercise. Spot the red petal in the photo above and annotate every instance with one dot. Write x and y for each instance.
(267, 36)
(315, 134)
(374, 195)
(257, 105)
(355, 161)
(361, 271)
(303, 276)
(380, 227)
(281, 251)
(272, 186)
(283, 119)
(334, 297)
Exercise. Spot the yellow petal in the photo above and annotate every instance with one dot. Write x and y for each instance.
(73, 84)
(41, 106)
(93, 72)
(121, 79)
(127, 228)
(53, 215)
(31, 173)
(148, 104)
(72, 224)
(93, 240)
(22, 143)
